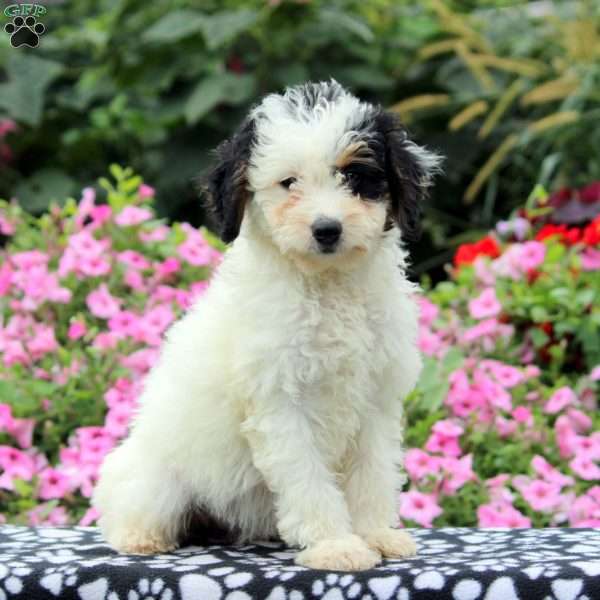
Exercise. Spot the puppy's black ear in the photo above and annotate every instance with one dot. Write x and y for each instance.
(409, 170)
(227, 182)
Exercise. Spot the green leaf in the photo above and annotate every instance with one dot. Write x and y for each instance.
(343, 20)
(221, 27)
(538, 337)
(175, 26)
(226, 87)
(43, 187)
(24, 93)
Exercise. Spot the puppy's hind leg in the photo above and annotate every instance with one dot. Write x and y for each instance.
(142, 510)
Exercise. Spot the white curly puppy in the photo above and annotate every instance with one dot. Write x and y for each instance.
(275, 408)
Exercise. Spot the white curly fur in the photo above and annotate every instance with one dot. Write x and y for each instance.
(276, 406)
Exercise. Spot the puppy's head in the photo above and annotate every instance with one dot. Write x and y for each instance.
(323, 174)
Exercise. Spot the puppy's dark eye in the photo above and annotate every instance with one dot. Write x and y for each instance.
(286, 183)
(365, 181)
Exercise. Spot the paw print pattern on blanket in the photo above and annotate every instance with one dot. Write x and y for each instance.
(452, 564)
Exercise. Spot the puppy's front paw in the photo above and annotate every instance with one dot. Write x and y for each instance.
(392, 543)
(349, 553)
(140, 543)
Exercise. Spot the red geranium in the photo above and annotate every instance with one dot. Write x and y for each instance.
(467, 253)
(591, 234)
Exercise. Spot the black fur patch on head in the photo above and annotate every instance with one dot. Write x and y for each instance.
(408, 169)
(227, 183)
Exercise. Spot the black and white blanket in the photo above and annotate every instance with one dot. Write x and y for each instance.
(453, 564)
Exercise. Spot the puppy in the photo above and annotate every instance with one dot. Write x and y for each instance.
(275, 409)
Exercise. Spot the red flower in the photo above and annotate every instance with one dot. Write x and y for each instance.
(562, 232)
(591, 234)
(467, 253)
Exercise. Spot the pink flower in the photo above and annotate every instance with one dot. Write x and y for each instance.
(532, 255)
(125, 323)
(444, 438)
(428, 311)
(105, 340)
(506, 375)
(584, 467)
(135, 280)
(485, 305)
(429, 342)
(77, 329)
(90, 517)
(580, 421)
(101, 303)
(522, 414)
(43, 342)
(132, 215)
(133, 259)
(158, 234)
(16, 464)
(168, 267)
(560, 399)
(145, 191)
(565, 436)
(53, 484)
(501, 514)
(584, 509)
(88, 197)
(595, 373)
(457, 473)
(56, 517)
(588, 446)
(549, 473)
(196, 253)
(22, 431)
(101, 214)
(419, 507)
(118, 419)
(505, 427)
(590, 259)
(419, 464)
(541, 495)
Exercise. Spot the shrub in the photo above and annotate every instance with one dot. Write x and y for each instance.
(500, 429)
(86, 292)
(503, 429)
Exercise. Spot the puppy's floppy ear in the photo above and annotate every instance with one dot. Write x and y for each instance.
(227, 182)
(409, 170)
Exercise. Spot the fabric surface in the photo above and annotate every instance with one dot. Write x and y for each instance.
(457, 564)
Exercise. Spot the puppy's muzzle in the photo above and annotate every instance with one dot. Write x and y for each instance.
(327, 233)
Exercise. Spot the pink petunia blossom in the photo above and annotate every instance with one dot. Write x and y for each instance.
(145, 191)
(590, 259)
(559, 400)
(90, 517)
(549, 473)
(541, 495)
(584, 467)
(132, 215)
(53, 484)
(522, 414)
(485, 305)
(77, 329)
(457, 472)
(15, 464)
(419, 507)
(428, 311)
(501, 514)
(101, 303)
(444, 438)
(532, 255)
(419, 464)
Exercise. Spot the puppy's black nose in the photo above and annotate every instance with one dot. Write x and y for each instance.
(327, 232)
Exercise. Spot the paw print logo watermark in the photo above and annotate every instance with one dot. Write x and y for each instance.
(25, 28)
